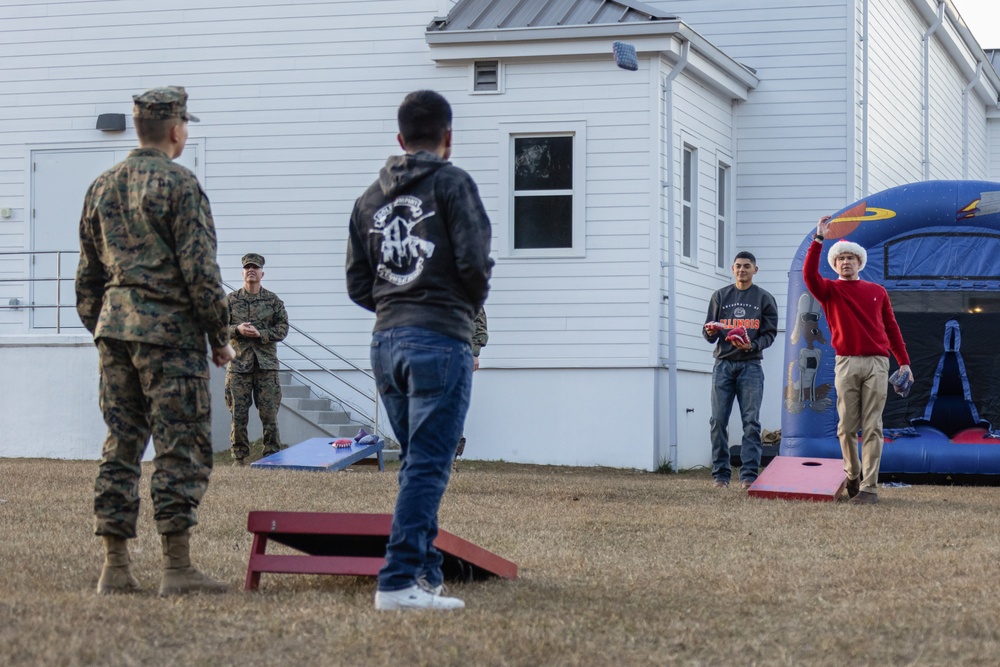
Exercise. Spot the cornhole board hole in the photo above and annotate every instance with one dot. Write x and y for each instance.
(320, 454)
(353, 545)
(798, 478)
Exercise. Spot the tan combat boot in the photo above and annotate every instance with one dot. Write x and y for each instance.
(179, 578)
(116, 575)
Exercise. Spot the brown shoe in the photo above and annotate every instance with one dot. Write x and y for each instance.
(746, 484)
(853, 486)
(721, 484)
(864, 498)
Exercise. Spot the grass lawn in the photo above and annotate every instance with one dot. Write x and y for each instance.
(616, 568)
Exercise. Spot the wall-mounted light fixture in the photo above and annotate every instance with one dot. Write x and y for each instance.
(111, 122)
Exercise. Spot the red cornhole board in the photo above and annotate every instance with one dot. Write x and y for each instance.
(353, 545)
(797, 478)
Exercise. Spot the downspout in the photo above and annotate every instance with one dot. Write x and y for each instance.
(965, 118)
(927, 89)
(668, 93)
(864, 99)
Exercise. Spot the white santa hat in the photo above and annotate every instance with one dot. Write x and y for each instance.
(843, 246)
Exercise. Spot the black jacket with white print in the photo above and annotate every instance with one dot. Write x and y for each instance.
(418, 250)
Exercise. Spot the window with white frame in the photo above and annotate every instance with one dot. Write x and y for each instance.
(722, 216)
(543, 212)
(689, 190)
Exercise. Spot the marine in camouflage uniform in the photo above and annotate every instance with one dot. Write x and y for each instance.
(479, 339)
(257, 321)
(148, 289)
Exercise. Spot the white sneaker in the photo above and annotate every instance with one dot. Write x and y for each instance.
(414, 597)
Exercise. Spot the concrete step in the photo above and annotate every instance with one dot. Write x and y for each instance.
(295, 391)
(308, 404)
(343, 430)
(325, 417)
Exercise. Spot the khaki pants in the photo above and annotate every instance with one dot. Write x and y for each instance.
(862, 384)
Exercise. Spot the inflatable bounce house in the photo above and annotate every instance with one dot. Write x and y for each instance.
(935, 247)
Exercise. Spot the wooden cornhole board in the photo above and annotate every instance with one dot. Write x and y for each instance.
(320, 454)
(798, 478)
(353, 545)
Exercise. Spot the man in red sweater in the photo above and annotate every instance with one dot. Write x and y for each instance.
(863, 330)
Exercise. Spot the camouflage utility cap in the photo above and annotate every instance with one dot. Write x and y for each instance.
(253, 258)
(162, 104)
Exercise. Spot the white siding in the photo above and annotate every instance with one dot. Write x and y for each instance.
(896, 90)
(993, 138)
(298, 113)
(298, 107)
(895, 86)
(791, 148)
(704, 121)
(590, 310)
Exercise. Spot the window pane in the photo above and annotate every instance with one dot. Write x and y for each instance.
(686, 176)
(686, 232)
(721, 192)
(543, 163)
(721, 249)
(543, 222)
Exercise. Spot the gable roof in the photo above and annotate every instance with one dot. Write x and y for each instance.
(506, 14)
(993, 55)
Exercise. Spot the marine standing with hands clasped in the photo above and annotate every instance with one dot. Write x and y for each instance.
(479, 339)
(257, 321)
(148, 288)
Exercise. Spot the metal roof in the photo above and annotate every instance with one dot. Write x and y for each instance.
(501, 14)
(993, 55)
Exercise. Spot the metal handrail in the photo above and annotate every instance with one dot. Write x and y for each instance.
(343, 403)
(59, 279)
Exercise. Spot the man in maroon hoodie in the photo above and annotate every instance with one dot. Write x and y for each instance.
(863, 330)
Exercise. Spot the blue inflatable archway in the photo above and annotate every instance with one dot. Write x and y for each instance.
(935, 246)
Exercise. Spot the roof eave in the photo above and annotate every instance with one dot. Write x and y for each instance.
(648, 37)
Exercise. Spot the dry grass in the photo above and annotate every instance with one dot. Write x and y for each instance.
(617, 568)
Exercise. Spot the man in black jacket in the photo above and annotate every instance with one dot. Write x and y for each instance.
(741, 308)
(418, 255)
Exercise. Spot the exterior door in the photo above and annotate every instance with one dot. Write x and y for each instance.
(59, 181)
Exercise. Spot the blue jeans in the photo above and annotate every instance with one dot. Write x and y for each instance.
(743, 381)
(424, 379)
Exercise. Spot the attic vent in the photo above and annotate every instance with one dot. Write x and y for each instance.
(486, 76)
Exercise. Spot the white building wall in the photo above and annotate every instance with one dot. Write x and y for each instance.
(993, 141)
(895, 89)
(704, 121)
(42, 418)
(590, 310)
(791, 138)
(298, 107)
(298, 114)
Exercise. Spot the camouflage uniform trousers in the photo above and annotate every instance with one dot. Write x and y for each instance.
(263, 389)
(145, 390)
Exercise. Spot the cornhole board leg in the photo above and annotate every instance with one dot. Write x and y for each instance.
(798, 478)
(352, 545)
